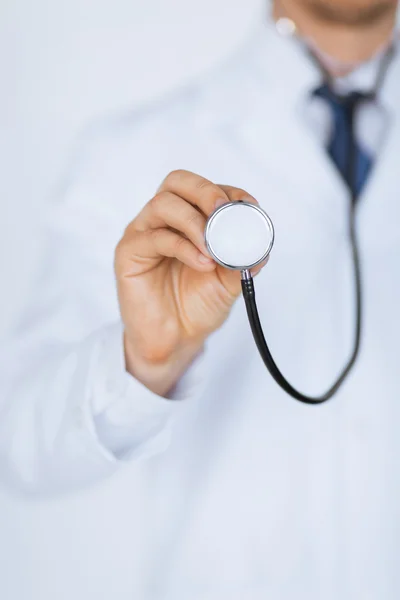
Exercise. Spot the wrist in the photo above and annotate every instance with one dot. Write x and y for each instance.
(159, 376)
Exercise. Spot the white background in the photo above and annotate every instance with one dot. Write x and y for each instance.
(63, 64)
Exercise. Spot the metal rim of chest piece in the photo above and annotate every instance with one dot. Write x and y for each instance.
(261, 217)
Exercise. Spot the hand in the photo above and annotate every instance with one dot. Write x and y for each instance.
(172, 295)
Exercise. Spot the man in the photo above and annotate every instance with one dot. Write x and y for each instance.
(236, 491)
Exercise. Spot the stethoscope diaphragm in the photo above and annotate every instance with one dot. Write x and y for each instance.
(239, 235)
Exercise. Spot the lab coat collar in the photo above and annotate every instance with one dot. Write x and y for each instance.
(265, 59)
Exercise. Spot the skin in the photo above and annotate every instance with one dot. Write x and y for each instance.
(172, 295)
(349, 31)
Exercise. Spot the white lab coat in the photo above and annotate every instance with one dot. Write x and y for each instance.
(233, 490)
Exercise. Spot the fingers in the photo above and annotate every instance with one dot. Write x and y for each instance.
(153, 245)
(235, 194)
(195, 189)
(168, 210)
(172, 224)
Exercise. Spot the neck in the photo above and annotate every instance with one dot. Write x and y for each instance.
(341, 44)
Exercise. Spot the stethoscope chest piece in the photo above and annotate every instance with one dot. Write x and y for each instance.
(239, 235)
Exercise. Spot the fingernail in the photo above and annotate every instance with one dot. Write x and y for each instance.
(204, 259)
(219, 202)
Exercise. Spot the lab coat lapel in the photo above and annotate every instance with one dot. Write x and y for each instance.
(284, 150)
(379, 210)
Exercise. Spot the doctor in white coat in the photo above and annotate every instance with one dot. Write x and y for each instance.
(134, 352)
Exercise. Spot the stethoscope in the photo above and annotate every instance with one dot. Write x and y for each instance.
(253, 233)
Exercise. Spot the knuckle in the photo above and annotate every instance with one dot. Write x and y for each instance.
(119, 253)
(175, 175)
(120, 247)
(157, 201)
(203, 183)
(128, 231)
(209, 190)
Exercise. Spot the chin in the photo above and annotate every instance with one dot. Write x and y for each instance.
(351, 12)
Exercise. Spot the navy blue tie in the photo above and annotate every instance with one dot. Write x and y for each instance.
(343, 138)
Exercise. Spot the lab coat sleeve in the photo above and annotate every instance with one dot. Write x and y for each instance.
(69, 413)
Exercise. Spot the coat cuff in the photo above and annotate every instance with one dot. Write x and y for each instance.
(131, 421)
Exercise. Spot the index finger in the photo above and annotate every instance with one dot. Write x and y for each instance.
(195, 189)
